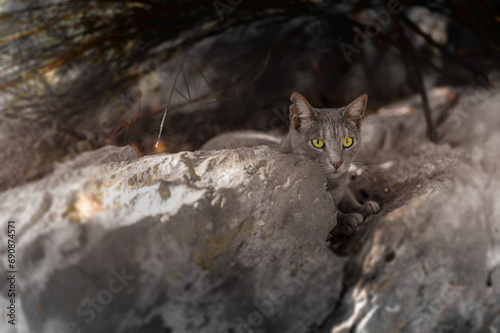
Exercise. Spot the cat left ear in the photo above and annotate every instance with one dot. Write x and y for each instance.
(356, 110)
(301, 112)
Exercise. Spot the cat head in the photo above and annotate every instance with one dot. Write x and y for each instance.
(329, 137)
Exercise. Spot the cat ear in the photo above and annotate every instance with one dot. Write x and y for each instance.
(356, 110)
(301, 112)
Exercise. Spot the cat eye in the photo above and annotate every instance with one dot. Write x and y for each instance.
(318, 143)
(347, 142)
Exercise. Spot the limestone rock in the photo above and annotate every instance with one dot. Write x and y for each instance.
(203, 241)
(432, 264)
(234, 241)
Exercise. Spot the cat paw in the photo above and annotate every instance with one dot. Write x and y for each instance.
(371, 207)
(348, 223)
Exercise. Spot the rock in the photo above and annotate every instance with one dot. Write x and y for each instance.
(234, 241)
(103, 155)
(431, 264)
(428, 265)
(204, 241)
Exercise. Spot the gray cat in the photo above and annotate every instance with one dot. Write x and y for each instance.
(329, 137)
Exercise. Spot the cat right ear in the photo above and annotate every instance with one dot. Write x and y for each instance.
(301, 112)
(356, 110)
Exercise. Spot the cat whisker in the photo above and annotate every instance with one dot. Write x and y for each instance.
(360, 183)
(362, 166)
(367, 174)
(367, 177)
(362, 170)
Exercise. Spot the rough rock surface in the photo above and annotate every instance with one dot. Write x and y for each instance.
(433, 264)
(430, 260)
(210, 238)
(234, 241)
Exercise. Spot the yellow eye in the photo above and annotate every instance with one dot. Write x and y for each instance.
(318, 143)
(347, 142)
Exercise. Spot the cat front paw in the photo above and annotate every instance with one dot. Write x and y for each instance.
(371, 207)
(348, 223)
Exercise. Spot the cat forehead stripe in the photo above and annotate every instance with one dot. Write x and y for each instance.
(328, 134)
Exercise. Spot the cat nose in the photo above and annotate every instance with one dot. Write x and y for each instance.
(337, 164)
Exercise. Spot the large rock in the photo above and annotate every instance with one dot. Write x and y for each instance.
(233, 241)
(209, 241)
(432, 265)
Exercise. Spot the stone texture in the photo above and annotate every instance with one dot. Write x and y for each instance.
(429, 261)
(428, 265)
(210, 237)
(234, 241)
